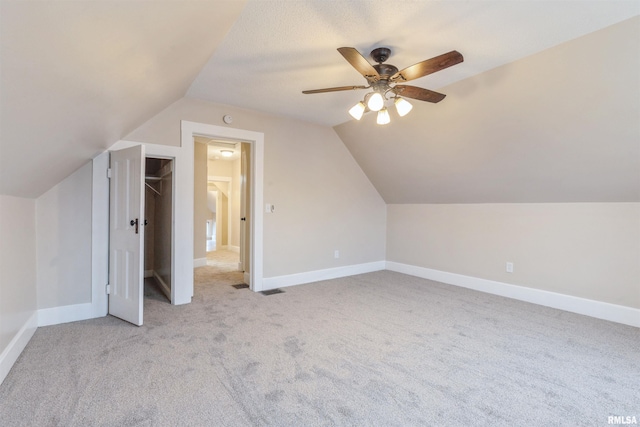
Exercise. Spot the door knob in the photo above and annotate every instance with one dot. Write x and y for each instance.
(134, 222)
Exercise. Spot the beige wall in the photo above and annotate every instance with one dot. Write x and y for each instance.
(63, 227)
(322, 198)
(149, 229)
(200, 212)
(225, 217)
(220, 168)
(587, 250)
(17, 267)
(236, 173)
(163, 228)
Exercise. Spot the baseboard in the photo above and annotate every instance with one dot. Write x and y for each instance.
(166, 289)
(66, 314)
(318, 275)
(199, 262)
(11, 353)
(246, 277)
(598, 309)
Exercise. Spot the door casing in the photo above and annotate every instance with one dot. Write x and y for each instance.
(182, 213)
(182, 237)
(256, 141)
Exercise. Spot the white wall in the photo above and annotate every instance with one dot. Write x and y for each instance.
(18, 319)
(63, 227)
(323, 201)
(584, 250)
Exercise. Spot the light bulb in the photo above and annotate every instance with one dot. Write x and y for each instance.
(357, 110)
(375, 102)
(226, 153)
(383, 117)
(403, 106)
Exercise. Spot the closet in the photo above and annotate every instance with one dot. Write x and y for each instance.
(158, 222)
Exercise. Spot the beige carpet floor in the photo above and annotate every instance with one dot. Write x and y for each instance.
(378, 349)
(223, 260)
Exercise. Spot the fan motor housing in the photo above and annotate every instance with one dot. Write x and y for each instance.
(385, 70)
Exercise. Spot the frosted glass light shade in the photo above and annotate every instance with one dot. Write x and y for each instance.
(375, 102)
(383, 117)
(357, 110)
(403, 107)
(226, 153)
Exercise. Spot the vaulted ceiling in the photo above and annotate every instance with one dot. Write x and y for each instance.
(77, 76)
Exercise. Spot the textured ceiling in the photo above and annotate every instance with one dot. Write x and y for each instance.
(276, 49)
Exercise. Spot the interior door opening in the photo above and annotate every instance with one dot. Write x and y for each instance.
(158, 265)
(221, 197)
(253, 267)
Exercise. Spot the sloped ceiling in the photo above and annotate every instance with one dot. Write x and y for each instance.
(277, 49)
(79, 75)
(562, 125)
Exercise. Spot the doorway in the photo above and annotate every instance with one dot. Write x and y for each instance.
(183, 226)
(220, 195)
(226, 201)
(255, 146)
(158, 226)
(141, 215)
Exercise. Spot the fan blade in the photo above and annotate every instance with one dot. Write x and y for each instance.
(418, 93)
(359, 62)
(334, 89)
(428, 66)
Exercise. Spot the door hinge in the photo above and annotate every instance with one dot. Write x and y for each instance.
(108, 172)
(108, 289)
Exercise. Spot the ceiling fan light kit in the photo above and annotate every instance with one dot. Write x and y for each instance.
(383, 116)
(375, 101)
(357, 111)
(384, 79)
(402, 106)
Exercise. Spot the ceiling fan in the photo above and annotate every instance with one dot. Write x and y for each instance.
(385, 79)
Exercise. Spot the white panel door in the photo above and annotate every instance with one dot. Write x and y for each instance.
(126, 239)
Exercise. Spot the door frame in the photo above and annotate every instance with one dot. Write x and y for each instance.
(256, 141)
(183, 211)
(182, 230)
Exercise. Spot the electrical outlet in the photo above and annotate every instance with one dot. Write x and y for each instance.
(336, 254)
(509, 267)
